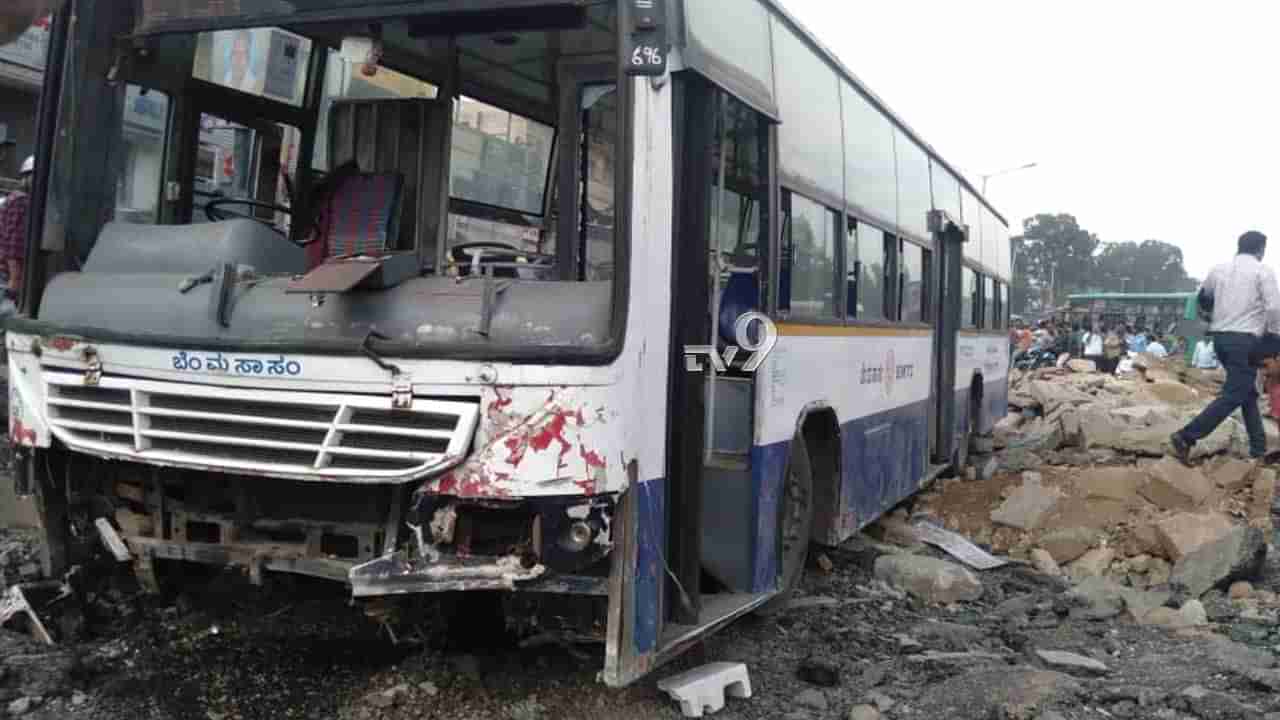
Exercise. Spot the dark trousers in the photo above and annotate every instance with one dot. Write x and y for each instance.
(1240, 391)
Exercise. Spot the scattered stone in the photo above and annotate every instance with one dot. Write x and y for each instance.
(429, 688)
(882, 702)
(1114, 483)
(948, 636)
(20, 706)
(389, 697)
(1233, 656)
(1233, 474)
(825, 564)
(1267, 679)
(1098, 599)
(875, 674)
(929, 579)
(1264, 495)
(1237, 555)
(1092, 564)
(1071, 662)
(1069, 543)
(998, 692)
(1182, 534)
(819, 671)
(812, 699)
(1016, 460)
(1044, 439)
(1173, 486)
(895, 528)
(1028, 504)
(864, 712)
(1041, 560)
(1240, 590)
(1158, 572)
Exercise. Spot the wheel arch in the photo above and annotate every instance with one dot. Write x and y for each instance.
(819, 428)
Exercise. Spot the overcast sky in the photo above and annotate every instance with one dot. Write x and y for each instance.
(1149, 120)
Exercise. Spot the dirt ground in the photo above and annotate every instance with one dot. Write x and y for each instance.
(295, 649)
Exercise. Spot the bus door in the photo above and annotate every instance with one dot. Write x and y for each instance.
(949, 238)
(720, 567)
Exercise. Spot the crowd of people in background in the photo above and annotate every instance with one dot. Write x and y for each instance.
(1110, 347)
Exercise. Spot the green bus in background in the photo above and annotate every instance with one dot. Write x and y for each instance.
(1170, 314)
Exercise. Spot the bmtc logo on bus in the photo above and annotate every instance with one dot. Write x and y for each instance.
(763, 342)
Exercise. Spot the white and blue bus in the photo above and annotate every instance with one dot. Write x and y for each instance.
(436, 336)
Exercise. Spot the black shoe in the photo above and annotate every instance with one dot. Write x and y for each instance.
(1181, 449)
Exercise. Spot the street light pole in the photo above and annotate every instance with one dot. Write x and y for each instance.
(987, 177)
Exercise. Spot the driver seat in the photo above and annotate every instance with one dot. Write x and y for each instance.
(358, 217)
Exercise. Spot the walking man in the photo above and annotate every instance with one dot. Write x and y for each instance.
(1246, 301)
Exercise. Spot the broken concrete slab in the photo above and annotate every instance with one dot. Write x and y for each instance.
(1264, 495)
(1237, 555)
(1045, 438)
(1143, 415)
(1167, 392)
(1173, 486)
(1093, 563)
(1068, 544)
(928, 579)
(1183, 533)
(1041, 560)
(1233, 474)
(1071, 662)
(1113, 483)
(1098, 599)
(1027, 504)
(1016, 460)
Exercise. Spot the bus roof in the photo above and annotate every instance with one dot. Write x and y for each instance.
(831, 58)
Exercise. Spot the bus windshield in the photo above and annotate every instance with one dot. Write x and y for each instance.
(443, 183)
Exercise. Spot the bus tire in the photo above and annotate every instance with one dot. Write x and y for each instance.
(795, 525)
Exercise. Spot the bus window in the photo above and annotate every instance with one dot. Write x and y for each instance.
(867, 258)
(146, 118)
(810, 256)
(499, 158)
(988, 303)
(969, 304)
(345, 80)
(267, 62)
(912, 283)
(600, 104)
(240, 171)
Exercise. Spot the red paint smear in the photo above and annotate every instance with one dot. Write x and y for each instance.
(61, 344)
(516, 447)
(592, 458)
(501, 402)
(581, 420)
(554, 430)
(22, 435)
(588, 486)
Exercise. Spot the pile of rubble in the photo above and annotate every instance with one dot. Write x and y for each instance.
(1077, 481)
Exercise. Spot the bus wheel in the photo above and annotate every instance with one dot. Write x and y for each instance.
(795, 524)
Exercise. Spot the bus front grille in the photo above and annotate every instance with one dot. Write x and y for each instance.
(316, 436)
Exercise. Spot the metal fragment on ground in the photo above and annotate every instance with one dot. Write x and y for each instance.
(956, 545)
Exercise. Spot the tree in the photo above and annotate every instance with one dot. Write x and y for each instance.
(1055, 257)
(1149, 266)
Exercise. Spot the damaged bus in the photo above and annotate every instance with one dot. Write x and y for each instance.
(407, 296)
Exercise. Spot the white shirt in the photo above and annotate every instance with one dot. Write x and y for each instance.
(1205, 358)
(1246, 298)
(1092, 344)
(1157, 349)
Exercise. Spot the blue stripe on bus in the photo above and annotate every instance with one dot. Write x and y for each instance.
(651, 546)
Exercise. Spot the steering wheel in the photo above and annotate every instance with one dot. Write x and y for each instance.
(214, 211)
(462, 254)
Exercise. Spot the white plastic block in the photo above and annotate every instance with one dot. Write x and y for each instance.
(703, 688)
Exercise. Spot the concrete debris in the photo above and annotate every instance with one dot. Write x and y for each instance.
(1237, 555)
(812, 699)
(1173, 486)
(928, 579)
(1184, 533)
(1082, 366)
(1240, 590)
(1233, 474)
(1041, 560)
(1093, 563)
(864, 712)
(1069, 544)
(703, 689)
(1071, 662)
(1028, 504)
